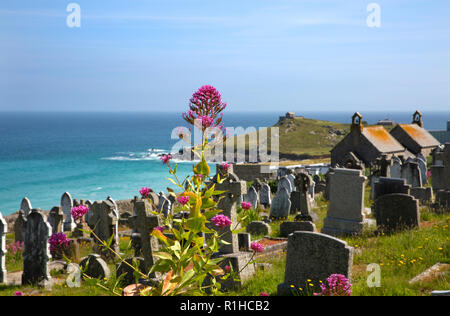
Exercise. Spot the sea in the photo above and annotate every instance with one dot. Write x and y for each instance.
(96, 155)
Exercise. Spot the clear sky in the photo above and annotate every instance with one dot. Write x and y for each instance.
(262, 55)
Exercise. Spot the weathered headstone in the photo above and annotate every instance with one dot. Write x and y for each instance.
(287, 228)
(244, 241)
(389, 186)
(313, 256)
(424, 195)
(284, 183)
(295, 202)
(66, 207)
(303, 183)
(422, 163)
(345, 215)
(95, 267)
(55, 219)
(395, 169)
(251, 197)
(19, 226)
(36, 253)
(88, 204)
(411, 172)
(259, 228)
(164, 205)
(116, 214)
(3, 232)
(291, 179)
(233, 190)
(265, 195)
(281, 204)
(144, 223)
(25, 205)
(396, 211)
(103, 223)
(438, 177)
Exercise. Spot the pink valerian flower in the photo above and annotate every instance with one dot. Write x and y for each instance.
(144, 192)
(15, 247)
(160, 228)
(221, 221)
(225, 166)
(227, 268)
(79, 211)
(263, 294)
(429, 174)
(337, 285)
(166, 158)
(58, 241)
(246, 205)
(18, 293)
(183, 200)
(256, 247)
(206, 105)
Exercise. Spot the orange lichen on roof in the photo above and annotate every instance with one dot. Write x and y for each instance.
(420, 135)
(382, 140)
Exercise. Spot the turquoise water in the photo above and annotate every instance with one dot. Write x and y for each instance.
(93, 155)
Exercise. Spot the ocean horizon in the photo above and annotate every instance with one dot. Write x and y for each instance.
(93, 155)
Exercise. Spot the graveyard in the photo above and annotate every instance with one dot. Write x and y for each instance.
(378, 237)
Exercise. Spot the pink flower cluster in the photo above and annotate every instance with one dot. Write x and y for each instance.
(144, 192)
(338, 285)
(183, 200)
(221, 221)
(256, 247)
(160, 228)
(79, 211)
(58, 241)
(166, 158)
(15, 247)
(246, 205)
(226, 166)
(205, 105)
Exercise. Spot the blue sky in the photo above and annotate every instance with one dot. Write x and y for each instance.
(276, 55)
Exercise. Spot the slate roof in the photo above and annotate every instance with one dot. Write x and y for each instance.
(384, 142)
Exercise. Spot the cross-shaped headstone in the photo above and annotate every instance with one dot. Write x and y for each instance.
(234, 190)
(55, 219)
(103, 222)
(303, 183)
(144, 223)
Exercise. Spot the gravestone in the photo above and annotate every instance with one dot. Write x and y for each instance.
(395, 169)
(144, 223)
(389, 186)
(422, 163)
(3, 232)
(446, 158)
(36, 254)
(287, 228)
(25, 205)
(116, 214)
(303, 183)
(164, 205)
(66, 207)
(411, 172)
(244, 241)
(424, 195)
(95, 267)
(89, 205)
(438, 177)
(259, 228)
(19, 226)
(345, 215)
(291, 179)
(396, 211)
(251, 197)
(265, 195)
(295, 202)
(284, 183)
(234, 189)
(55, 219)
(103, 223)
(313, 256)
(281, 204)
